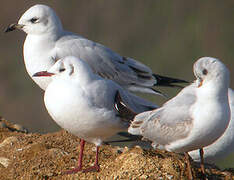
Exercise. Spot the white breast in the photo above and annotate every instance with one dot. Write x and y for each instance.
(38, 57)
(72, 108)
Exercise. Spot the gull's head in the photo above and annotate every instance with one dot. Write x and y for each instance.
(210, 69)
(39, 19)
(69, 67)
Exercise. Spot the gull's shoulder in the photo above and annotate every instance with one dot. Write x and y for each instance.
(70, 43)
(186, 97)
(72, 40)
(68, 37)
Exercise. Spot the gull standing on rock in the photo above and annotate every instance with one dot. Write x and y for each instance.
(195, 118)
(47, 42)
(86, 105)
(223, 146)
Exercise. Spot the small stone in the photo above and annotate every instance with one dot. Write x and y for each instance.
(125, 149)
(20, 128)
(119, 150)
(116, 177)
(139, 147)
(169, 176)
(4, 161)
(9, 140)
(144, 176)
(55, 152)
(49, 174)
(94, 149)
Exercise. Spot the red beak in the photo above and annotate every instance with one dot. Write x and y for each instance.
(43, 73)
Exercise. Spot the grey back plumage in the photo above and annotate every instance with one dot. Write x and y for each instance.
(125, 71)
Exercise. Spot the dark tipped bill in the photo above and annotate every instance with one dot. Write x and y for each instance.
(13, 27)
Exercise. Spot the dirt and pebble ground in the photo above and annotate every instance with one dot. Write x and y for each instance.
(35, 156)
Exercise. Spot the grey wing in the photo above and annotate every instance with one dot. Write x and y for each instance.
(107, 90)
(135, 103)
(127, 72)
(139, 104)
(169, 123)
(231, 98)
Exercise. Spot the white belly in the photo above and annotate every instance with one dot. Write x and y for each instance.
(73, 111)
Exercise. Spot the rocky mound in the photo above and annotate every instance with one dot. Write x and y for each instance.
(35, 156)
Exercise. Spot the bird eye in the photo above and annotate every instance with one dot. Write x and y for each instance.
(34, 20)
(62, 69)
(204, 71)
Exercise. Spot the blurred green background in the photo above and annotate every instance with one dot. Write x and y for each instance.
(169, 36)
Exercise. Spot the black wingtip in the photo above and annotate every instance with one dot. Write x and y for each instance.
(123, 111)
(159, 93)
(168, 81)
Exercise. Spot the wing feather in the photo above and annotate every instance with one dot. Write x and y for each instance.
(125, 71)
(169, 123)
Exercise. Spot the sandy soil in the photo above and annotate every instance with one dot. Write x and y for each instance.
(35, 156)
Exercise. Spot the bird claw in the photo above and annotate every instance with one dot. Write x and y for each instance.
(95, 168)
(73, 171)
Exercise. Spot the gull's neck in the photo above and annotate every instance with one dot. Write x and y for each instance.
(39, 51)
(216, 88)
(84, 80)
(47, 37)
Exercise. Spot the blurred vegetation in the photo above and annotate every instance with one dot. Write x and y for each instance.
(169, 36)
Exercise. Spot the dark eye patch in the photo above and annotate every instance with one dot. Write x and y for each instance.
(204, 71)
(62, 69)
(33, 20)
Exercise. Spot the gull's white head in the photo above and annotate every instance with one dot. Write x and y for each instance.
(211, 69)
(39, 19)
(71, 68)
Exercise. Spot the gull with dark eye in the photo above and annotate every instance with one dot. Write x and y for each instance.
(204, 71)
(193, 119)
(34, 20)
(88, 106)
(62, 69)
(42, 21)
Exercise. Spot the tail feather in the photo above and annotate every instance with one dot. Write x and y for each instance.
(136, 125)
(168, 81)
(141, 104)
(143, 89)
(146, 78)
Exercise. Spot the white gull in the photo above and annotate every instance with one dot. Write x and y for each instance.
(195, 118)
(85, 104)
(223, 146)
(47, 41)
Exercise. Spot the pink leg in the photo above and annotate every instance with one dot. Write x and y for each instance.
(188, 166)
(95, 167)
(202, 160)
(79, 168)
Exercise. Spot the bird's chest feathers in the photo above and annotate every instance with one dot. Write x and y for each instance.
(212, 102)
(38, 54)
(72, 100)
